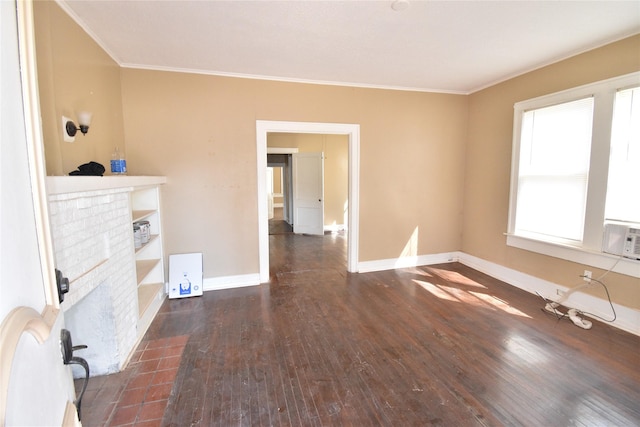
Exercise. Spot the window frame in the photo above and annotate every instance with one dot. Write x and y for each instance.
(589, 251)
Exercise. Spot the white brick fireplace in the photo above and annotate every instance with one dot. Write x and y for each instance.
(93, 243)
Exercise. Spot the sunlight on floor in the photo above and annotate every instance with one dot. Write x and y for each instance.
(499, 304)
(454, 276)
(436, 291)
(476, 299)
(417, 271)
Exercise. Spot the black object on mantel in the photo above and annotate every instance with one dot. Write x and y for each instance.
(89, 169)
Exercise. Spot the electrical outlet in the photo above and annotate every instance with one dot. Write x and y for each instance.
(586, 276)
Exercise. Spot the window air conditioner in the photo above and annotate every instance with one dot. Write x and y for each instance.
(622, 240)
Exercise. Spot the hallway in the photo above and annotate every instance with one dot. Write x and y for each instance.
(277, 224)
(437, 345)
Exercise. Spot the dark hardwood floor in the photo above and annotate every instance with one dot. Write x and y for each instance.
(440, 345)
(277, 224)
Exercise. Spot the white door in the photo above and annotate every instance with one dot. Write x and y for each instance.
(36, 388)
(308, 193)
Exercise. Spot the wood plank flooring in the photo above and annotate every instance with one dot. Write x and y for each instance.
(441, 345)
(277, 225)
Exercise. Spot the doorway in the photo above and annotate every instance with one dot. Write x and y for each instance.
(280, 159)
(264, 127)
(279, 199)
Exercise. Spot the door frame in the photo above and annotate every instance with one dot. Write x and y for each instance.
(263, 127)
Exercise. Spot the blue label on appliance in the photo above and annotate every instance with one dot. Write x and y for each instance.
(185, 286)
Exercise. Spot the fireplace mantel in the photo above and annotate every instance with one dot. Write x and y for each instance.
(75, 184)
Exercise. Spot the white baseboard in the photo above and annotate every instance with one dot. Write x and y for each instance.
(229, 282)
(627, 319)
(405, 262)
(334, 227)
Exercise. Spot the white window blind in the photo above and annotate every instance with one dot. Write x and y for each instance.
(623, 195)
(555, 147)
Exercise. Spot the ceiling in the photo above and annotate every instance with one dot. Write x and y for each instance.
(441, 46)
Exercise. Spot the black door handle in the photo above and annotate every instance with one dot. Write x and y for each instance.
(67, 348)
(63, 285)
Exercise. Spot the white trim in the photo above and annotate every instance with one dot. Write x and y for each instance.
(290, 79)
(75, 184)
(628, 319)
(334, 227)
(604, 261)
(263, 127)
(625, 80)
(278, 150)
(64, 6)
(406, 262)
(35, 147)
(230, 282)
(263, 208)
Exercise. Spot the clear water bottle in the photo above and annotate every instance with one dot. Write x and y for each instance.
(118, 163)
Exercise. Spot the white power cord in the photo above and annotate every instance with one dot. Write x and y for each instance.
(572, 313)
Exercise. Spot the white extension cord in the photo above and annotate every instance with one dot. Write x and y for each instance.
(572, 313)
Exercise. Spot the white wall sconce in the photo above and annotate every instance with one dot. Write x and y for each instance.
(69, 128)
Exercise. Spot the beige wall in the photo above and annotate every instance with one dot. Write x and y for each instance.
(200, 131)
(75, 74)
(488, 165)
(336, 168)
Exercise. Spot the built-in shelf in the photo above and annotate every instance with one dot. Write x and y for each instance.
(140, 215)
(147, 295)
(149, 258)
(152, 238)
(144, 267)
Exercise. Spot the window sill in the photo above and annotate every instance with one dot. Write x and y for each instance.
(601, 260)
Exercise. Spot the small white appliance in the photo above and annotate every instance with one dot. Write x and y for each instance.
(185, 275)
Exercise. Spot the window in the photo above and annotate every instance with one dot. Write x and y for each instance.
(576, 165)
(555, 147)
(623, 195)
